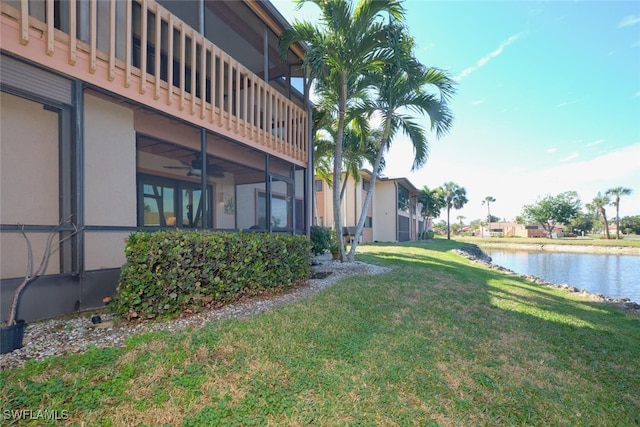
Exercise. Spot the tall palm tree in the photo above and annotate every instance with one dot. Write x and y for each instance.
(402, 85)
(618, 191)
(598, 204)
(346, 44)
(432, 203)
(488, 200)
(455, 197)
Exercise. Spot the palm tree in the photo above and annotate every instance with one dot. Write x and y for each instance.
(455, 197)
(322, 150)
(598, 204)
(402, 85)
(358, 146)
(432, 203)
(618, 191)
(488, 200)
(346, 44)
(460, 218)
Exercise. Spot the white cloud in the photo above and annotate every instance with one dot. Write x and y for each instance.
(570, 157)
(596, 142)
(552, 150)
(477, 102)
(628, 21)
(485, 59)
(567, 103)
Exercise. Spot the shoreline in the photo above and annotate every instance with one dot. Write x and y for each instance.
(555, 247)
(475, 253)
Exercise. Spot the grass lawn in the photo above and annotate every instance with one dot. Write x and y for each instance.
(438, 341)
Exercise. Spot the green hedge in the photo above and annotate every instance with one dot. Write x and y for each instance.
(168, 273)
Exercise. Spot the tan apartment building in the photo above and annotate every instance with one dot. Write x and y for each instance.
(393, 215)
(513, 229)
(127, 115)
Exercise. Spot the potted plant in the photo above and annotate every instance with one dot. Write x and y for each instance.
(12, 332)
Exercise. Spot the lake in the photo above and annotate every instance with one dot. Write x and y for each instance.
(614, 276)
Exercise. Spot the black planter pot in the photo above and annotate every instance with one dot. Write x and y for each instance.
(11, 337)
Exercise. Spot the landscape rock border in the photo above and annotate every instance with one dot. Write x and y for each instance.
(474, 253)
(75, 334)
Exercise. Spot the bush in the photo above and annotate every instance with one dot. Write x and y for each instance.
(168, 273)
(320, 238)
(427, 235)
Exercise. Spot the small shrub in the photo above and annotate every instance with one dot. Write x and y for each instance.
(168, 273)
(320, 238)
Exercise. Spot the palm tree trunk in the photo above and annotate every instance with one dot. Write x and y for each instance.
(617, 217)
(606, 224)
(448, 223)
(344, 186)
(337, 171)
(367, 200)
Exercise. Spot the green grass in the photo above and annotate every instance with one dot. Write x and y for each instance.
(438, 341)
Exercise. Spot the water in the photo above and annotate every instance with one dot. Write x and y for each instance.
(615, 276)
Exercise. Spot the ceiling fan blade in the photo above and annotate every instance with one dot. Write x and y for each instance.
(177, 167)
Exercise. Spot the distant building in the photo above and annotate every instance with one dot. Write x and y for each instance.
(394, 213)
(512, 229)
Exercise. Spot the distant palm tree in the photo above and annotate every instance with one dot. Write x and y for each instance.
(618, 191)
(488, 200)
(460, 218)
(455, 197)
(598, 204)
(432, 203)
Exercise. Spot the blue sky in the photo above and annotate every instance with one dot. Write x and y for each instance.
(548, 99)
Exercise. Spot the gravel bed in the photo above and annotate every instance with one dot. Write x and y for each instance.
(73, 335)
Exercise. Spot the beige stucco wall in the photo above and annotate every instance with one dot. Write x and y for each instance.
(28, 180)
(104, 249)
(385, 211)
(110, 164)
(110, 179)
(28, 162)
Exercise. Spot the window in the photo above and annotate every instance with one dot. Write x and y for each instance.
(318, 185)
(403, 199)
(365, 184)
(368, 222)
(164, 202)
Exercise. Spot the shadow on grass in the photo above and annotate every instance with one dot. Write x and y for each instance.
(595, 343)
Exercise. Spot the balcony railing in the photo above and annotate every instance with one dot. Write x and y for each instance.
(141, 51)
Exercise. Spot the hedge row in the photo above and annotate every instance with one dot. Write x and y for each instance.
(168, 273)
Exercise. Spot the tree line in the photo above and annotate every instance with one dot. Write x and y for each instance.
(564, 210)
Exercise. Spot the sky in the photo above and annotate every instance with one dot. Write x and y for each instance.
(547, 101)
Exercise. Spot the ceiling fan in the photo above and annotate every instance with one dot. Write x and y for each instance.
(195, 168)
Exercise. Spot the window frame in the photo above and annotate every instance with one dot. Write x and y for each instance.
(178, 186)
